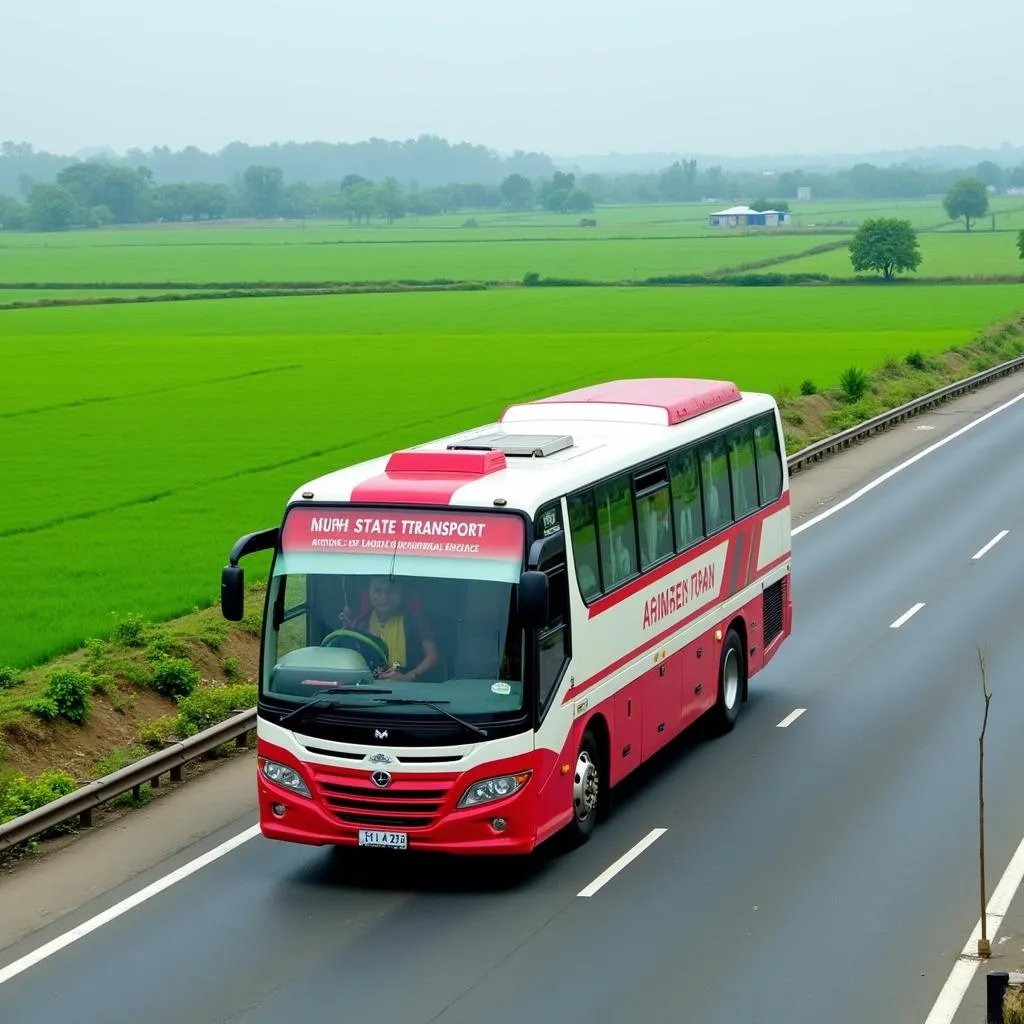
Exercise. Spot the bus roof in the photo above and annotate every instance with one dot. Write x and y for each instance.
(542, 449)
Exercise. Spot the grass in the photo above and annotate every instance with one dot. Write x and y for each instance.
(225, 407)
(977, 254)
(1013, 1005)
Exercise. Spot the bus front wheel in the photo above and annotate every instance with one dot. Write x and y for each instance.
(586, 790)
(731, 679)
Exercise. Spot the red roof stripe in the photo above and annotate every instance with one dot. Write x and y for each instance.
(681, 398)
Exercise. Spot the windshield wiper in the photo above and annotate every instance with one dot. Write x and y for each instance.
(437, 707)
(318, 697)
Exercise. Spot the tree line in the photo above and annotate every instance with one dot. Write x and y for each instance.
(96, 192)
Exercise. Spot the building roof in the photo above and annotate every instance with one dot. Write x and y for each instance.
(574, 438)
(739, 211)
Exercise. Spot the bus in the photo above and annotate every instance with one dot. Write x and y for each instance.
(467, 644)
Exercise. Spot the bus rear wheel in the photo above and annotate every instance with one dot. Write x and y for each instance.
(731, 682)
(586, 790)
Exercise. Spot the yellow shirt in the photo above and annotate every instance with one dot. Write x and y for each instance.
(392, 633)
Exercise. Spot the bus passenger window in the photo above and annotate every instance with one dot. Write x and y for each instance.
(655, 523)
(714, 476)
(686, 500)
(616, 531)
(551, 640)
(743, 470)
(584, 544)
(769, 462)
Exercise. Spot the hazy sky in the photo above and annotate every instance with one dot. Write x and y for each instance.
(732, 77)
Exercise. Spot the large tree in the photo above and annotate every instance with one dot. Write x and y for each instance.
(967, 198)
(886, 244)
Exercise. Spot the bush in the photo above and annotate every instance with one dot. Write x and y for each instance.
(69, 691)
(18, 796)
(232, 668)
(174, 677)
(9, 677)
(916, 360)
(854, 382)
(1013, 1005)
(204, 708)
(808, 387)
(128, 633)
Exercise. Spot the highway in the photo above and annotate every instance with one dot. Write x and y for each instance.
(818, 864)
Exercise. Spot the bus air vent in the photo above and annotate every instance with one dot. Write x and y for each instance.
(534, 446)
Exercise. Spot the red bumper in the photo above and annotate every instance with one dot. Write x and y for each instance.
(421, 805)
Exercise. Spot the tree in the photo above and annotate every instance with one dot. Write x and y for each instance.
(967, 198)
(1020, 243)
(886, 244)
(264, 190)
(517, 193)
(51, 208)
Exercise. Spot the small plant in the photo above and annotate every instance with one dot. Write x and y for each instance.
(9, 677)
(232, 669)
(129, 631)
(1013, 998)
(916, 360)
(69, 690)
(42, 708)
(18, 796)
(808, 387)
(175, 677)
(204, 708)
(157, 733)
(854, 382)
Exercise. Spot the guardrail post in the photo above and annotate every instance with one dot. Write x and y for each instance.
(85, 818)
(137, 792)
(176, 773)
(995, 988)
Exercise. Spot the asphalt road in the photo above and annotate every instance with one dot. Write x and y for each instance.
(825, 871)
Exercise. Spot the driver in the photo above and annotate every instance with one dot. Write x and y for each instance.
(409, 638)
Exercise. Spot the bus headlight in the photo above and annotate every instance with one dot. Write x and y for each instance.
(284, 776)
(493, 789)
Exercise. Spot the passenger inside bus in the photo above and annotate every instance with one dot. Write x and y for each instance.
(411, 645)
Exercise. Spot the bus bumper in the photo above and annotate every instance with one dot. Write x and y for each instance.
(417, 808)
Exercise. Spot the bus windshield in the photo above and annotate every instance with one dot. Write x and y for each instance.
(418, 605)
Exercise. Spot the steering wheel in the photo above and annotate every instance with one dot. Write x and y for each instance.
(372, 648)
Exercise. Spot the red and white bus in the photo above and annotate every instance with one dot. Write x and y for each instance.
(466, 644)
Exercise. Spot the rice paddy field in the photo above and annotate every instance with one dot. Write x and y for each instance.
(138, 442)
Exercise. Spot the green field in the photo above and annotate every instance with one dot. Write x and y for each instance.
(943, 254)
(145, 439)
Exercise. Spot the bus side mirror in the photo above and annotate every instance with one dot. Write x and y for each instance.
(533, 600)
(232, 593)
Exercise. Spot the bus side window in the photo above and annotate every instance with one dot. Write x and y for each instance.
(583, 532)
(616, 530)
(552, 639)
(743, 470)
(714, 478)
(769, 461)
(686, 507)
(653, 517)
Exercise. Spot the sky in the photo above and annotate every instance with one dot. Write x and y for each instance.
(563, 77)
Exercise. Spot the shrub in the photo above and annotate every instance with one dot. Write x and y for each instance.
(128, 632)
(916, 360)
(808, 387)
(9, 677)
(174, 677)
(69, 691)
(18, 796)
(42, 708)
(204, 708)
(232, 668)
(854, 382)
(1013, 1001)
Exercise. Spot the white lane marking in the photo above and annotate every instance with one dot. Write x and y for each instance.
(630, 855)
(990, 545)
(910, 613)
(904, 465)
(953, 992)
(129, 903)
(790, 718)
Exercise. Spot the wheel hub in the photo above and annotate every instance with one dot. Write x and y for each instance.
(585, 786)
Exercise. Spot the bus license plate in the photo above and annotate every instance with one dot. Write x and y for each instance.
(387, 840)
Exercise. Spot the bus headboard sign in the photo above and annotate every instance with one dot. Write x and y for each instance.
(363, 531)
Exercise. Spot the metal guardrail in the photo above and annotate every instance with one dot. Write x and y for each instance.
(81, 803)
(815, 452)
